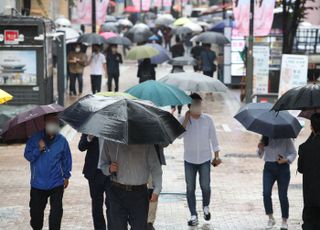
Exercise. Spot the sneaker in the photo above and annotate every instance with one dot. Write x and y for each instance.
(206, 213)
(271, 223)
(193, 221)
(284, 226)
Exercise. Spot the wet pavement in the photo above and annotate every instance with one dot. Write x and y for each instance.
(236, 184)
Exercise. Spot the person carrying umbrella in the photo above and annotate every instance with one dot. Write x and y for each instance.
(113, 67)
(98, 67)
(195, 52)
(146, 70)
(308, 166)
(50, 164)
(207, 59)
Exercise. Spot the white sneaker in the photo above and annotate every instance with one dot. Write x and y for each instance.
(271, 223)
(193, 221)
(284, 226)
(206, 213)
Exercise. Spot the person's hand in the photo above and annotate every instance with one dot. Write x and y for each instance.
(42, 145)
(216, 162)
(65, 183)
(90, 137)
(113, 168)
(154, 197)
(282, 161)
(187, 116)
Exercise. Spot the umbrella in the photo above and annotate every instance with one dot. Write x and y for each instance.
(182, 30)
(181, 61)
(142, 52)
(161, 94)
(299, 98)
(203, 24)
(131, 9)
(153, 38)
(62, 22)
(116, 94)
(139, 33)
(196, 28)
(110, 18)
(108, 35)
(25, 124)
(258, 118)
(163, 55)
(4, 96)
(122, 120)
(109, 27)
(194, 82)
(211, 38)
(125, 22)
(91, 39)
(71, 35)
(181, 21)
(164, 20)
(219, 27)
(119, 40)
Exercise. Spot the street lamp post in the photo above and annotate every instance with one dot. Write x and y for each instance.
(93, 16)
(249, 67)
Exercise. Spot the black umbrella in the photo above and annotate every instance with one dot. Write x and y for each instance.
(211, 38)
(91, 39)
(181, 61)
(109, 27)
(299, 98)
(119, 40)
(258, 118)
(122, 120)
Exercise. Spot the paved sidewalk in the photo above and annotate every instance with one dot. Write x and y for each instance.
(236, 184)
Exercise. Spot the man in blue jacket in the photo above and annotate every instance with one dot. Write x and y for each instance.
(50, 163)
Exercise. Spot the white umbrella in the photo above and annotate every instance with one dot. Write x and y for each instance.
(62, 22)
(194, 82)
(125, 22)
(71, 34)
(196, 28)
(203, 24)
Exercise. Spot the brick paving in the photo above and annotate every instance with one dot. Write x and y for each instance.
(236, 184)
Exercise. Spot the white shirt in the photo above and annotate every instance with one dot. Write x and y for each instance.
(96, 64)
(200, 139)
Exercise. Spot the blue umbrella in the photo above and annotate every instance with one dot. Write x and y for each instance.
(258, 118)
(163, 55)
(154, 38)
(159, 93)
(219, 27)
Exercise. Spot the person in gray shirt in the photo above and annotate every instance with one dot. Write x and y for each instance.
(130, 167)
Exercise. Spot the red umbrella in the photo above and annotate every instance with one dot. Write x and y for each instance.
(25, 124)
(108, 35)
(131, 9)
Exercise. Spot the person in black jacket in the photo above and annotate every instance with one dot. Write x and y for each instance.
(146, 70)
(309, 166)
(99, 184)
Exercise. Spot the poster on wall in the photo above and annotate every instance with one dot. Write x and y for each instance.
(82, 11)
(18, 67)
(261, 55)
(294, 72)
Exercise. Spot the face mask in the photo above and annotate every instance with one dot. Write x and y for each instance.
(195, 109)
(52, 128)
(78, 50)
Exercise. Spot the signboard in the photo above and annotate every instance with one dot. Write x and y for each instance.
(261, 55)
(294, 71)
(11, 37)
(18, 67)
(82, 11)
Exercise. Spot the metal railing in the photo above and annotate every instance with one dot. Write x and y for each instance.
(307, 41)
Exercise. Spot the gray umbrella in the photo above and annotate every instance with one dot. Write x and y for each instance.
(139, 33)
(211, 38)
(181, 61)
(91, 39)
(109, 27)
(110, 18)
(164, 20)
(119, 40)
(182, 30)
(258, 118)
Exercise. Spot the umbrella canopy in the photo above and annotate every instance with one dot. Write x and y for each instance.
(182, 30)
(139, 34)
(159, 93)
(181, 21)
(125, 22)
(116, 94)
(25, 124)
(122, 120)
(153, 38)
(164, 20)
(142, 52)
(194, 82)
(258, 118)
(299, 98)
(119, 40)
(219, 26)
(196, 28)
(4, 96)
(109, 27)
(71, 35)
(181, 61)
(203, 24)
(91, 39)
(62, 22)
(110, 18)
(163, 55)
(211, 38)
(131, 9)
(108, 35)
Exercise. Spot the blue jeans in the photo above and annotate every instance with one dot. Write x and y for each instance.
(204, 178)
(281, 173)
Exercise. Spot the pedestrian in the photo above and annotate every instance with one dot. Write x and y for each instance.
(130, 167)
(146, 70)
(220, 61)
(278, 154)
(308, 166)
(99, 184)
(77, 61)
(167, 35)
(97, 67)
(207, 60)
(195, 52)
(114, 59)
(200, 141)
(50, 164)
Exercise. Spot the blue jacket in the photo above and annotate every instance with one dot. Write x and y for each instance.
(51, 167)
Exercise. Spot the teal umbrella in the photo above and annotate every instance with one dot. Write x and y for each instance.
(159, 93)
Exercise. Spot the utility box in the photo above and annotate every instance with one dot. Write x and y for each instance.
(26, 67)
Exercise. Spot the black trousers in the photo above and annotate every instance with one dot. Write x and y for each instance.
(129, 207)
(38, 203)
(208, 73)
(96, 83)
(311, 218)
(99, 191)
(115, 77)
(73, 78)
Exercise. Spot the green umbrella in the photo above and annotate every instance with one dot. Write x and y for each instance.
(116, 94)
(142, 52)
(159, 93)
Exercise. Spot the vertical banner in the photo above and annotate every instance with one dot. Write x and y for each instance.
(82, 11)
(145, 4)
(261, 56)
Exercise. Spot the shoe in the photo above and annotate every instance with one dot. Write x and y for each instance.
(284, 226)
(150, 226)
(271, 223)
(206, 213)
(193, 221)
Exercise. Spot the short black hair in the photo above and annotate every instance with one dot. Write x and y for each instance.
(315, 122)
(196, 97)
(177, 39)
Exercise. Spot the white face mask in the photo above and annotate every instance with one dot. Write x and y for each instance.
(52, 128)
(78, 50)
(195, 109)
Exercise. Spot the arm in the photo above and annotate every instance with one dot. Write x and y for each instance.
(66, 161)
(120, 59)
(292, 151)
(83, 143)
(105, 160)
(71, 59)
(155, 169)
(213, 138)
(32, 151)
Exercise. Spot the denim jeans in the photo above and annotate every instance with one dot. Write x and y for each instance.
(281, 173)
(191, 171)
(73, 78)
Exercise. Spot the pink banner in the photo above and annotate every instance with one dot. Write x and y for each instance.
(145, 4)
(263, 17)
(158, 3)
(83, 11)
